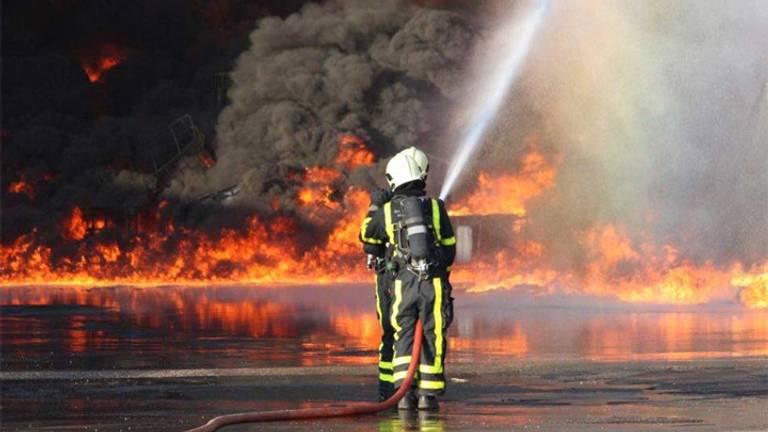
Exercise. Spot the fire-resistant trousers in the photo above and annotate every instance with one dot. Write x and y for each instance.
(430, 301)
(384, 282)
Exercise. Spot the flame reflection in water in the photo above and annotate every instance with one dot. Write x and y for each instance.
(178, 327)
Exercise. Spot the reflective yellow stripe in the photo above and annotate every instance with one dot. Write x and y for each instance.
(378, 302)
(400, 375)
(386, 378)
(363, 229)
(437, 312)
(450, 241)
(388, 222)
(434, 370)
(401, 361)
(431, 385)
(395, 306)
(436, 220)
(385, 365)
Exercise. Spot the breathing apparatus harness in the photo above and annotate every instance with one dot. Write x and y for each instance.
(415, 245)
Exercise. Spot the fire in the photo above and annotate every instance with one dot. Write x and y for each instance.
(74, 226)
(639, 270)
(754, 288)
(319, 187)
(96, 72)
(353, 153)
(207, 159)
(509, 193)
(109, 57)
(618, 267)
(520, 265)
(267, 249)
(22, 187)
(646, 272)
(320, 184)
(614, 262)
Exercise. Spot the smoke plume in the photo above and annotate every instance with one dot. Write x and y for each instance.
(384, 71)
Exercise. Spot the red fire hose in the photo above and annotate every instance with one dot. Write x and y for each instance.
(318, 413)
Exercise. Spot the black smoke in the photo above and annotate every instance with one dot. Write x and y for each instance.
(264, 88)
(385, 71)
(97, 145)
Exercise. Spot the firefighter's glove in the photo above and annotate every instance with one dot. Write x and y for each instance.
(379, 197)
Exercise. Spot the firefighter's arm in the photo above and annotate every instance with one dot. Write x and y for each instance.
(373, 232)
(447, 236)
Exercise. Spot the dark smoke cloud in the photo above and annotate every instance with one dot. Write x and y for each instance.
(385, 71)
(79, 143)
(268, 105)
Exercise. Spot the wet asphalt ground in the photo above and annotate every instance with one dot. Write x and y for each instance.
(702, 395)
(171, 358)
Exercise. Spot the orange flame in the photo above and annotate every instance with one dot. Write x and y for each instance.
(263, 252)
(96, 72)
(509, 193)
(647, 272)
(754, 287)
(615, 264)
(353, 153)
(22, 187)
(321, 184)
(206, 158)
(74, 226)
(266, 250)
(109, 57)
(319, 187)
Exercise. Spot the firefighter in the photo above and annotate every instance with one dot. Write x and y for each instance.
(377, 252)
(419, 234)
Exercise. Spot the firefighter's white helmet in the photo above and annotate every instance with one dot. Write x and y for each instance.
(402, 169)
(421, 160)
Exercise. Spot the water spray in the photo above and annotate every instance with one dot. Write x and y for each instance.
(514, 43)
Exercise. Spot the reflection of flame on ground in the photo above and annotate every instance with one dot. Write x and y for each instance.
(481, 340)
(670, 336)
(327, 330)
